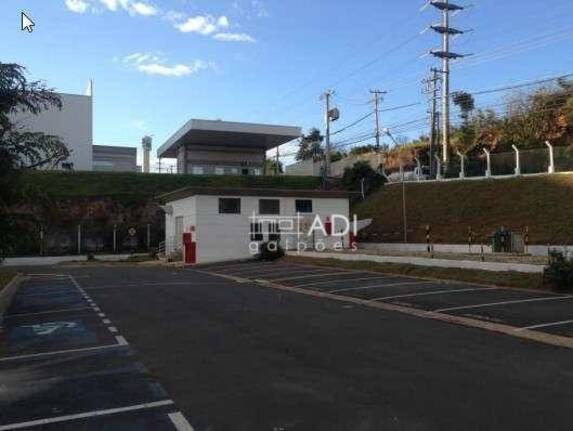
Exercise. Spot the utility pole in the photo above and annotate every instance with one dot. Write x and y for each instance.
(432, 89)
(277, 167)
(330, 114)
(444, 29)
(377, 98)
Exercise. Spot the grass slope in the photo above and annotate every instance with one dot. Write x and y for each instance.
(542, 203)
(111, 184)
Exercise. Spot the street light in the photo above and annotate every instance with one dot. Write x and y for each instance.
(404, 218)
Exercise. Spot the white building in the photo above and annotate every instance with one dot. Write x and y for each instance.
(73, 124)
(227, 224)
(215, 147)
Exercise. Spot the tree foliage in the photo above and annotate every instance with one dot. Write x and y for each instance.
(310, 146)
(21, 149)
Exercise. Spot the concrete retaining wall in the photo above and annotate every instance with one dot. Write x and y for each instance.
(534, 250)
(423, 261)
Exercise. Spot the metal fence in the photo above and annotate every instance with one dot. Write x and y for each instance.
(89, 238)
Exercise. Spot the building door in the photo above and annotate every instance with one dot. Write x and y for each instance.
(245, 171)
(178, 232)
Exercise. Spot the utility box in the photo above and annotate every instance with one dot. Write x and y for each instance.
(505, 241)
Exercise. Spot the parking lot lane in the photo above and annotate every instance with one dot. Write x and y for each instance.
(375, 292)
(528, 314)
(153, 418)
(469, 298)
(42, 303)
(342, 285)
(505, 302)
(44, 333)
(350, 279)
(74, 383)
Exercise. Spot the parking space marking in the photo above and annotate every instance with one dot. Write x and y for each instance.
(350, 289)
(96, 413)
(268, 271)
(545, 325)
(39, 313)
(106, 321)
(339, 281)
(314, 275)
(179, 422)
(433, 292)
(102, 315)
(121, 340)
(61, 352)
(112, 329)
(493, 304)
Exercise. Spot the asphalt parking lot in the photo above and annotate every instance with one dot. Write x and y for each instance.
(523, 309)
(64, 365)
(198, 351)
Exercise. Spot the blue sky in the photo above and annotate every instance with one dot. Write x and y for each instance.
(156, 64)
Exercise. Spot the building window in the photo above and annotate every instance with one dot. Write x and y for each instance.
(274, 231)
(219, 171)
(257, 172)
(229, 206)
(256, 231)
(235, 171)
(197, 170)
(269, 206)
(303, 205)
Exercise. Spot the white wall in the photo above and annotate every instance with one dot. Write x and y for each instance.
(73, 124)
(222, 237)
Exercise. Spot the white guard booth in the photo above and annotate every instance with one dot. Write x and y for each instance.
(231, 223)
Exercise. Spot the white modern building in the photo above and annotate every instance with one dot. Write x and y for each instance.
(215, 147)
(73, 124)
(228, 224)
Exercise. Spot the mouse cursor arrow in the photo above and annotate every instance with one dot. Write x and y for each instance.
(27, 23)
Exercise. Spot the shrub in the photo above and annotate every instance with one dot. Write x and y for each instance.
(559, 274)
(352, 177)
(270, 251)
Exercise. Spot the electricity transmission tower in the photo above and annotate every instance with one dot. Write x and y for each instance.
(444, 29)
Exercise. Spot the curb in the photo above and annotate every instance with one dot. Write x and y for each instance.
(537, 336)
(7, 294)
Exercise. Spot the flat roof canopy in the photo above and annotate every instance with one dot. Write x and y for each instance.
(217, 132)
(265, 192)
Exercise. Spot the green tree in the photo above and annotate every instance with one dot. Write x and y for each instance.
(274, 167)
(20, 149)
(310, 146)
(466, 103)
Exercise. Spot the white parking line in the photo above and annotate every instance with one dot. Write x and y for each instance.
(316, 283)
(60, 352)
(545, 325)
(121, 341)
(39, 313)
(433, 292)
(314, 275)
(180, 422)
(96, 413)
(106, 321)
(102, 315)
(493, 304)
(268, 271)
(112, 329)
(350, 289)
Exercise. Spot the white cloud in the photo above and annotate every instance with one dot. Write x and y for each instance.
(152, 64)
(133, 7)
(234, 37)
(77, 6)
(144, 9)
(208, 25)
(203, 24)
